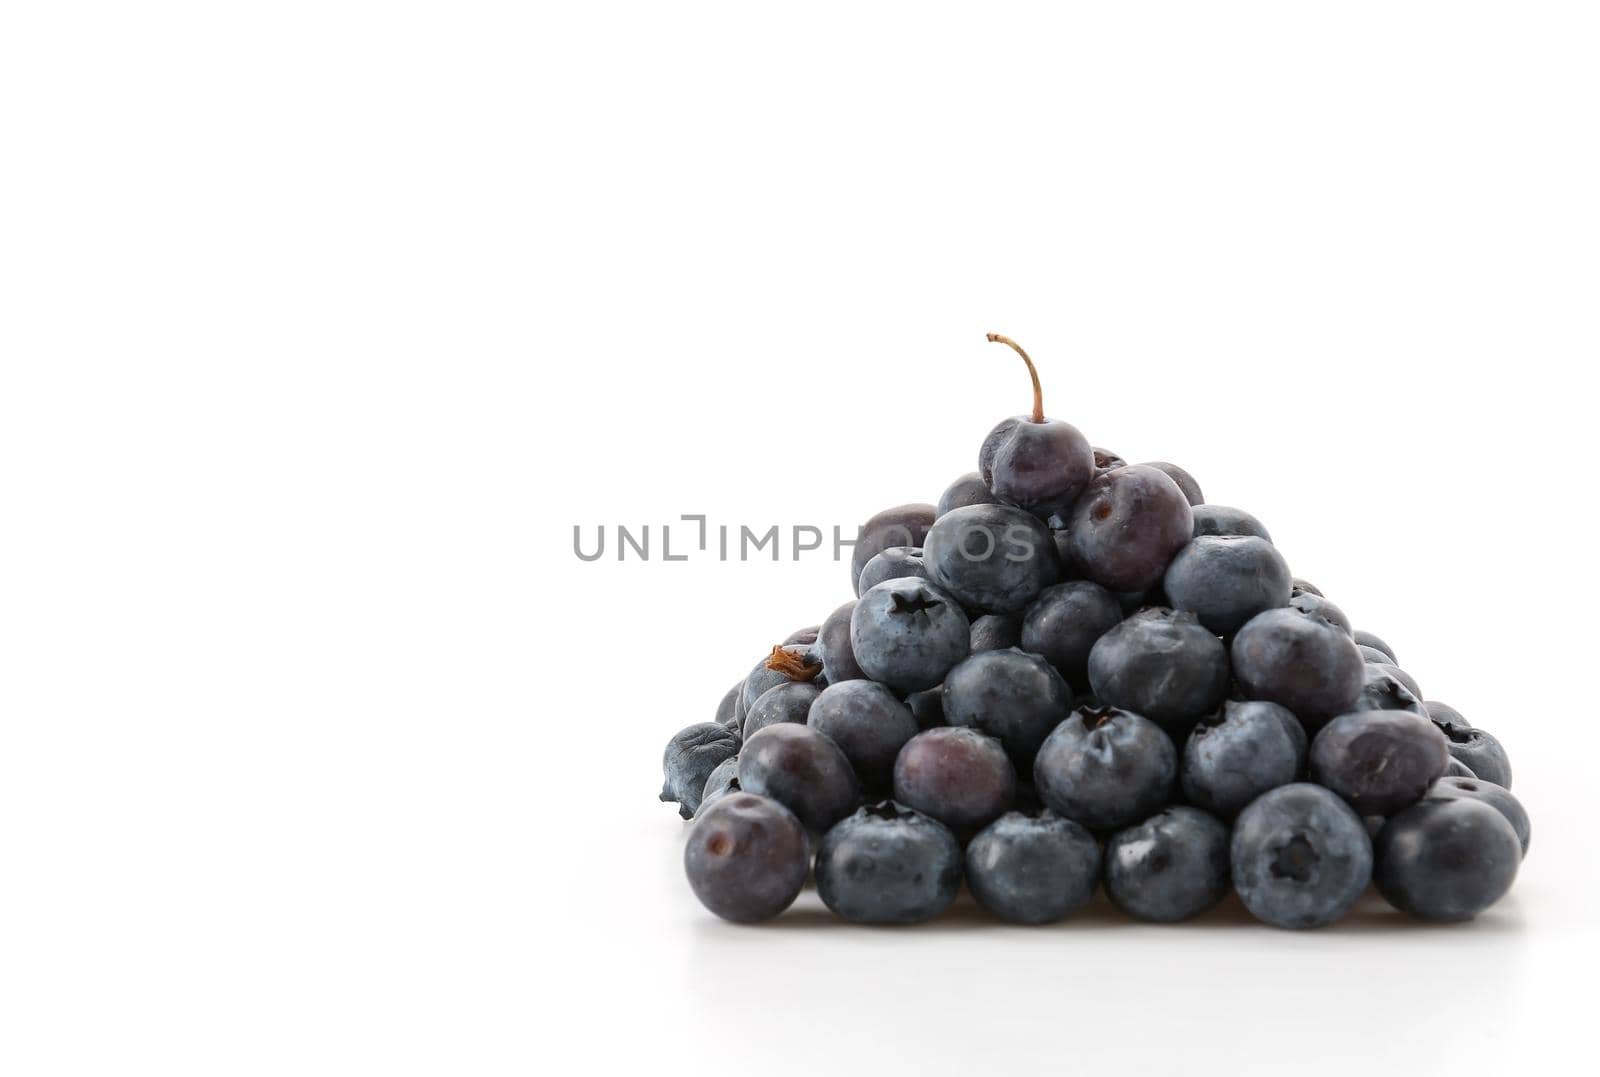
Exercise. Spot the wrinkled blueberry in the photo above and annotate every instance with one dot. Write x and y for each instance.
(691, 755)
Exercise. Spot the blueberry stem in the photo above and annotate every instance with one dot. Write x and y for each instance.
(1038, 393)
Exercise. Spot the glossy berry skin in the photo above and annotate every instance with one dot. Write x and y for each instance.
(956, 775)
(802, 770)
(787, 702)
(888, 864)
(723, 780)
(1227, 579)
(868, 724)
(832, 648)
(1381, 690)
(1302, 662)
(1041, 467)
(1105, 768)
(969, 489)
(1446, 714)
(908, 634)
(996, 631)
(746, 858)
(1240, 752)
(1301, 856)
(1367, 639)
(1064, 623)
(1015, 697)
(993, 558)
(1223, 520)
(1126, 527)
(903, 525)
(1482, 754)
(1496, 796)
(895, 563)
(1182, 479)
(1446, 860)
(1033, 869)
(1162, 664)
(1317, 606)
(691, 755)
(1379, 761)
(1170, 867)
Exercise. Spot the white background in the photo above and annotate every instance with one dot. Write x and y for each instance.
(322, 325)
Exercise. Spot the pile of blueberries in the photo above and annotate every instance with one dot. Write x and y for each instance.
(1074, 672)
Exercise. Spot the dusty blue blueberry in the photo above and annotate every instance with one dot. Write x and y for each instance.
(1184, 481)
(1240, 752)
(1301, 856)
(1367, 639)
(992, 558)
(1015, 697)
(957, 775)
(804, 636)
(727, 710)
(1162, 664)
(1402, 676)
(1033, 869)
(1443, 712)
(994, 631)
(1314, 604)
(1457, 769)
(770, 672)
(1305, 585)
(1223, 520)
(723, 780)
(802, 770)
(927, 707)
(1127, 526)
(746, 857)
(903, 525)
(1227, 579)
(969, 489)
(1498, 797)
(868, 724)
(787, 702)
(1480, 751)
(691, 755)
(832, 648)
(1446, 859)
(1170, 867)
(888, 864)
(1373, 656)
(1105, 768)
(895, 563)
(1064, 623)
(1379, 761)
(1381, 690)
(1303, 662)
(908, 634)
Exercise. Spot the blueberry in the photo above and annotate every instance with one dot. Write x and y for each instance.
(1126, 527)
(1314, 604)
(790, 662)
(1306, 585)
(728, 710)
(1301, 856)
(895, 563)
(787, 702)
(1184, 481)
(1162, 664)
(1457, 769)
(1446, 859)
(903, 525)
(1444, 712)
(746, 858)
(1303, 662)
(1227, 579)
(908, 634)
(1403, 677)
(927, 707)
(1239, 753)
(803, 635)
(1034, 463)
(1015, 697)
(1106, 460)
(992, 558)
(1379, 761)
(969, 489)
(1064, 622)
(800, 769)
(1367, 639)
(723, 780)
(1033, 869)
(868, 724)
(1496, 796)
(1222, 520)
(1383, 691)
(1373, 656)
(1105, 768)
(691, 755)
(956, 775)
(888, 864)
(832, 648)
(1479, 751)
(995, 631)
(1170, 867)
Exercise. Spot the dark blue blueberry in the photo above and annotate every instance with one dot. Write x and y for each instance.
(1373, 656)
(895, 563)
(1305, 585)
(1033, 869)
(1457, 769)
(1446, 859)
(1497, 797)
(746, 858)
(1403, 677)
(1105, 768)
(787, 702)
(804, 635)
(992, 558)
(1379, 761)
(1381, 690)
(903, 525)
(1317, 606)
(1482, 754)
(1015, 697)
(1301, 856)
(927, 707)
(1184, 481)
(728, 710)
(691, 755)
(1170, 867)
(1240, 752)
(888, 864)
(790, 662)
(1162, 664)
(1222, 520)
(802, 770)
(723, 780)
(1303, 662)
(832, 648)
(1227, 579)
(1126, 527)
(868, 724)
(1037, 464)
(995, 631)
(908, 634)
(956, 775)
(969, 489)
(1444, 712)
(1367, 639)
(1064, 622)
(1106, 460)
